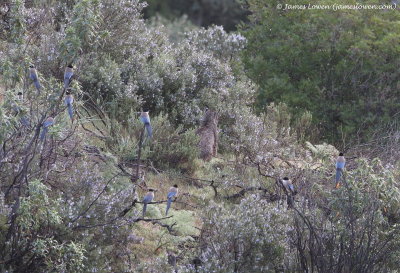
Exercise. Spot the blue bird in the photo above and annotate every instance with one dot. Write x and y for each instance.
(69, 72)
(173, 192)
(46, 124)
(24, 120)
(340, 164)
(69, 99)
(147, 199)
(34, 77)
(16, 104)
(145, 119)
(289, 188)
(288, 185)
(20, 96)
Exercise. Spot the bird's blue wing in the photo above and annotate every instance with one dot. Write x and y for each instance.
(68, 100)
(47, 124)
(68, 75)
(33, 76)
(145, 120)
(147, 199)
(171, 194)
(340, 165)
(67, 79)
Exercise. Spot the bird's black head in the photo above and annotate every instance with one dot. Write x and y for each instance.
(285, 178)
(151, 190)
(19, 93)
(340, 154)
(31, 66)
(175, 186)
(70, 66)
(68, 92)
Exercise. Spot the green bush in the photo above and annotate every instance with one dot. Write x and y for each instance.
(172, 147)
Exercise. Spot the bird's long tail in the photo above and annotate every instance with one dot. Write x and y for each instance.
(338, 174)
(168, 205)
(43, 134)
(149, 130)
(144, 209)
(70, 111)
(37, 85)
(290, 201)
(66, 82)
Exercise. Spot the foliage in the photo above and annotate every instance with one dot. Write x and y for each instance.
(339, 65)
(354, 228)
(250, 237)
(227, 13)
(37, 223)
(72, 202)
(81, 35)
(175, 29)
(174, 149)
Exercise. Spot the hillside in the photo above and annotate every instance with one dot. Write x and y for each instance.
(74, 174)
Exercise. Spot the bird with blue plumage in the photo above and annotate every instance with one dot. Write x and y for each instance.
(69, 72)
(145, 119)
(69, 99)
(45, 127)
(147, 199)
(172, 193)
(34, 77)
(340, 164)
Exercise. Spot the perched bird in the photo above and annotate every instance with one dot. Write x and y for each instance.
(24, 120)
(69, 72)
(15, 103)
(340, 163)
(20, 96)
(171, 259)
(290, 191)
(145, 119)
(46, 124)
(173, 191)
(197, 262)
(34, 77)
(288, 185)
(69, 99)
(147, 199)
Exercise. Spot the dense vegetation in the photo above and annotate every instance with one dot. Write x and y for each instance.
(342, 66)
(72, 201)
(228, 13)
